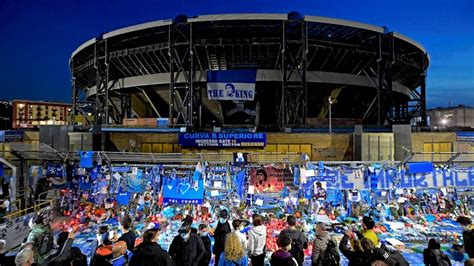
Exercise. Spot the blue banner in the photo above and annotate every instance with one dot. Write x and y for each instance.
(465, 136)
(233, 85)
(420, 167)
(86, 159)
(121, 169)
(182, 192)
(222, 140)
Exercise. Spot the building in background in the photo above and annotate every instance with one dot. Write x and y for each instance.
(32, 114)
(448, 117)
(6, 115)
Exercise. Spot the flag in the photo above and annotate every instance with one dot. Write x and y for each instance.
(239, 181)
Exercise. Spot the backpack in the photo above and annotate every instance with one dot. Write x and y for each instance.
(330, 256)
(297, 248)
(46, 243)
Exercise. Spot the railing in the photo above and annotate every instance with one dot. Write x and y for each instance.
(34, 208)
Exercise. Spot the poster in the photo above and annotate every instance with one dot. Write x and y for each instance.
(270, 179)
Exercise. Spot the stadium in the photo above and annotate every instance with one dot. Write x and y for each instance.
(300, 67)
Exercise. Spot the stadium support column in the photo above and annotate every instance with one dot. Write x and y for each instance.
(73, 93)
(98, 82)
(380, 78)
(183, 97)
(106, 86)
(293, 103)
(423, 95)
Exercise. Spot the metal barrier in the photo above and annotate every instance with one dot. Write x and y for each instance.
(34, 208)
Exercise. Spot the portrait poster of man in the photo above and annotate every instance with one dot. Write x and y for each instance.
(269, 179)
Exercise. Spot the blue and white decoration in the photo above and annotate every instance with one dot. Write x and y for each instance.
(231, 85)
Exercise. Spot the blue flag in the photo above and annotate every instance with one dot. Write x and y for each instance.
(239, 180)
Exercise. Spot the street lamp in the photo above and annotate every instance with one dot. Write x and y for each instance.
(330, 100)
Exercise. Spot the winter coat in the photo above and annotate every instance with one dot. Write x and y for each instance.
(150, 254)
(187, 252)
(468, 238)
(220, 233)
(356, 258)
(244, 261)
(257, 240)
(282, 258)
(59, 255)
(295, 235)
(320, 244)
(206, 257)
(430, 257)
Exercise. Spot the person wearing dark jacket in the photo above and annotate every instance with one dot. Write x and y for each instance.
(149, 253)
(467, 234)
(187, 248)
(63, 252)
(206, 241)
(356, 257)
(223, 228)
(128, 235)
(433, 254)
(283, 257)
(297, 236)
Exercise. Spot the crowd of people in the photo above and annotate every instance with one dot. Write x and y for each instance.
(235, 243)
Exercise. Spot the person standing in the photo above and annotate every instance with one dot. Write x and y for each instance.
(433, 256)
(283, 257)
(238, 227)
(320, 244)
(257, 242)
(40, 239)
(467, 234)
(223, 228)
(206, 241)
(149, 253)
(187, 248)
(299, 240)
(127, 234)
(234, 253)
(368, 225)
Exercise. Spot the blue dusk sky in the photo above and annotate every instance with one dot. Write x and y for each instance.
(38, 36)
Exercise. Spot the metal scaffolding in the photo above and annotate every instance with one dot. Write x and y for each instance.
(184, 49)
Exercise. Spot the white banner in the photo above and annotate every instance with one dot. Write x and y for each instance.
(15, 231)
(231, 91)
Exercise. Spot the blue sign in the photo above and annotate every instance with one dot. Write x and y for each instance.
(222, 140)
(11, 136)
(182, 192)
(465, 136)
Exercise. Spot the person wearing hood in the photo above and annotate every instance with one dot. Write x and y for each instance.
(257, 241)
(283, 257)
(433, 256)
(220, 233)
(238, 227)
(186, 249)
(467, 234)
(234, 253)
(320, 243)
(149, 253)
(206, 241)
(358, 256)
(39, 239)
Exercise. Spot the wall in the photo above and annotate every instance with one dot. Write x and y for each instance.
(419, 139)
(318, 146)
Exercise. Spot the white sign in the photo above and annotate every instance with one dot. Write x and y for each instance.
(231, 91)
